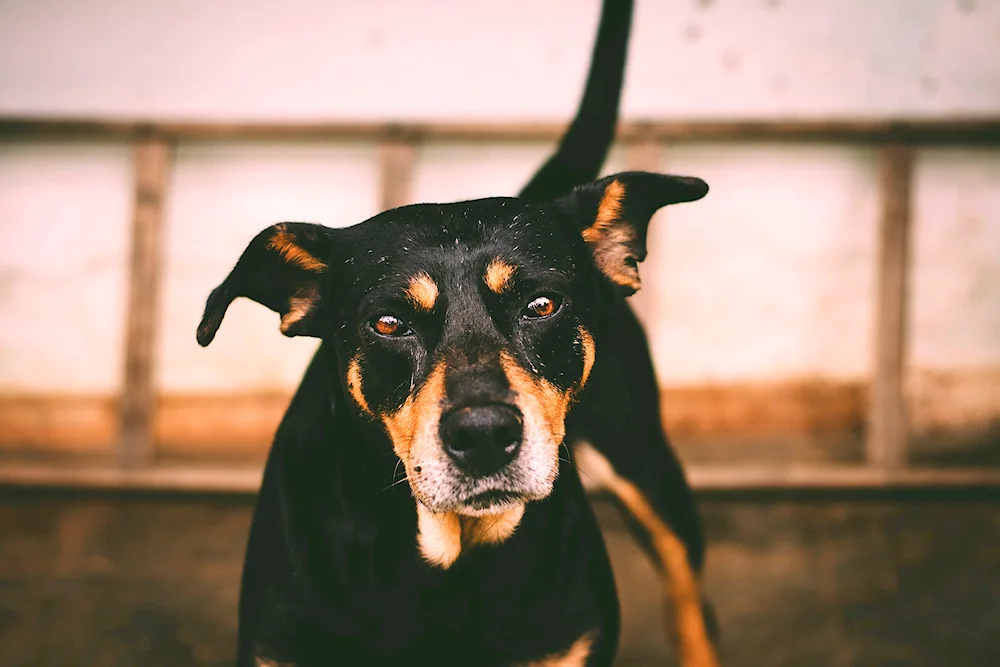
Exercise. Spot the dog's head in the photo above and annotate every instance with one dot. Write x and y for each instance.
(464, 330)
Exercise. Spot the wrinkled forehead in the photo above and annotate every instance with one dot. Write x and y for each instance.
(456, 244)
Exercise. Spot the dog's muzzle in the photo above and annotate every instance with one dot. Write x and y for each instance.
(481, 440)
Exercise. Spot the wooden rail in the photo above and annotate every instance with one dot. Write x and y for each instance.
(971, 130)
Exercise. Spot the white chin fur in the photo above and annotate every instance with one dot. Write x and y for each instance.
(443, 488)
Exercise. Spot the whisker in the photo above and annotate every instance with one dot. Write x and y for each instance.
(398, 481)
(578, 468)
(573, 463)
(583, 472)
(495, 522)
(566, 447)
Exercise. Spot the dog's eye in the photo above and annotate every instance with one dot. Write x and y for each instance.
(390, 325)
(541, 306)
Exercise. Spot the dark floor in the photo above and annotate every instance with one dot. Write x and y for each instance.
(123, 582)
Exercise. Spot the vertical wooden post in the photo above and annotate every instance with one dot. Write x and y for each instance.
(151, 162)
(645, 154)
(887, 423)
(398, 155)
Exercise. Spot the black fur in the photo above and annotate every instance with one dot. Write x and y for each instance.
(333, 572)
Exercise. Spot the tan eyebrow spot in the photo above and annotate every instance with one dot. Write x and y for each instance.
(422, 291)
(498, 275)
(284, 243)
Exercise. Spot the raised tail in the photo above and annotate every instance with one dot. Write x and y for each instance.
(585, 145)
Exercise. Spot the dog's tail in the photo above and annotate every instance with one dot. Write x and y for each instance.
(585, 145)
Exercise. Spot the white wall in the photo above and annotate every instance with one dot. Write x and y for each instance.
(473, 59)
(956, 255)
(768, 278)
(64, 212)
(222, 194)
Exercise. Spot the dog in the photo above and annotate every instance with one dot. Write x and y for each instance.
(421, 502)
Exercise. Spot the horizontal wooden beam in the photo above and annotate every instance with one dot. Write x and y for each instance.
(246, 479)
(157, 477)
(833, 477)
(953, 404)
(243, 424)
(970, 130)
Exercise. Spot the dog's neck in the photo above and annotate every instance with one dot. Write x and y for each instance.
(442, 536)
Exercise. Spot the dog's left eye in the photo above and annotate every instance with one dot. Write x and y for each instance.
(541, 306)
(390, 325)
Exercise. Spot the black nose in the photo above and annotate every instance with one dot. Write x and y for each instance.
(481, 439)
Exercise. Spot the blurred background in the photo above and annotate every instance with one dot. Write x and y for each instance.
(825, 324)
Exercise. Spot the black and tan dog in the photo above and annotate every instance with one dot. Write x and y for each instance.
(421, 504)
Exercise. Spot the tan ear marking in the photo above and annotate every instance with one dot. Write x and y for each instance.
(608, 212)
(610, 239)
(499, 275)
(422, 291)
(284, 243)
(298, 307)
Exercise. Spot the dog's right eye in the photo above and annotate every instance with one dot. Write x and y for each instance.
(390, 326)
(541, 306)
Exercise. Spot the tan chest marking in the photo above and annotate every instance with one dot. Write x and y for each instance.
(575, 656)
(441, 536)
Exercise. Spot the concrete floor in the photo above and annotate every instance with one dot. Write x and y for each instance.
(128, 581)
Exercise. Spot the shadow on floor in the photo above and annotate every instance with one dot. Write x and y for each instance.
(127, 581)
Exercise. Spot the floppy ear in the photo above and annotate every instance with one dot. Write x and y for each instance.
(283, 268)
(613, 216)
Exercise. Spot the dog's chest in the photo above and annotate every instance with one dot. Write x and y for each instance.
(483, 611)
(477, 613)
